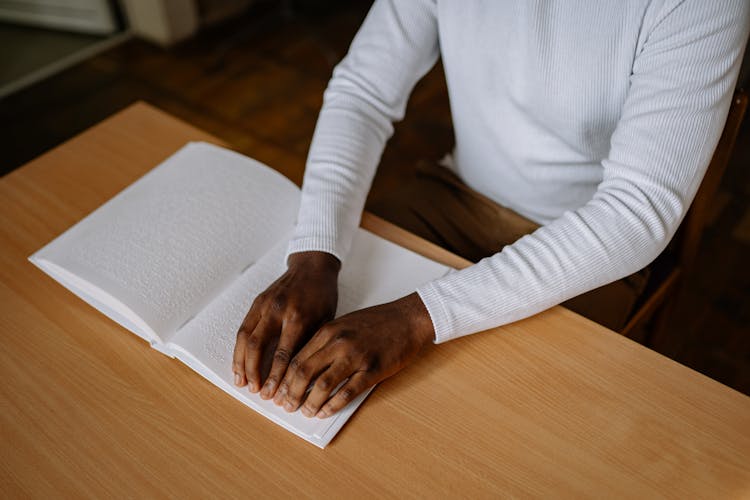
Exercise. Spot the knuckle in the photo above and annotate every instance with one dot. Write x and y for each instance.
(277, 303)
(371, 363)
(342, 336)
(293, 314)
(303, 370)
(282, 356)
(296, 367)
(356, 351)
(346, 359)
(324, 383)
(252, 343)
(310, 408)
(346, 394)
(328, 331)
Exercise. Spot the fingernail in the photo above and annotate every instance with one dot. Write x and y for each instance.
(279, 399)
(306, 411)
(289, 406)
(237, 379)
(267, 390)
(253, 387)
(322, 414)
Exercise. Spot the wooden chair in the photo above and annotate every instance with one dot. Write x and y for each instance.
(679, 258)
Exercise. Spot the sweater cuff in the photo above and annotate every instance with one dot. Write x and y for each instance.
(312, 244)
(438, 314)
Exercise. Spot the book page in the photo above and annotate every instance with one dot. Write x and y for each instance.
(165, 246)
(376, 271)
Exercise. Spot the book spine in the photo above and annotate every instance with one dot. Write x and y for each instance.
(162, 348)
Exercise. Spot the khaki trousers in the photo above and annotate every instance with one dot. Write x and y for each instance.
(436, 205)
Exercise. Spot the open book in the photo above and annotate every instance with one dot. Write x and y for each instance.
(178, 257)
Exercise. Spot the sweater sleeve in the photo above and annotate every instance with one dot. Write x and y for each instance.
(395, 46)
(680, 89)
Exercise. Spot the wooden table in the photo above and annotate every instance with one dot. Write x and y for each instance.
(553, 406)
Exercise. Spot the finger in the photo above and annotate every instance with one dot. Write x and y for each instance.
(238, 357)
(326, 383)
(291, 334)
(353, 387)
(312, 346)
(317, 342)
(298, 377)
(254, 346)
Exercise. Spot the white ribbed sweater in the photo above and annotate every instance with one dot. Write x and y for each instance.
(595, 118)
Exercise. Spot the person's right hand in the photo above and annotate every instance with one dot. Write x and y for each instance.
(290, 310)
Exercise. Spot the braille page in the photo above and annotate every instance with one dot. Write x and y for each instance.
(375, 271)
(165, 246)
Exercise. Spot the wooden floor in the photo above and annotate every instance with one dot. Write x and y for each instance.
(257, 82)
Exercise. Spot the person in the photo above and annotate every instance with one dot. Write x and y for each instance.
(595, 121)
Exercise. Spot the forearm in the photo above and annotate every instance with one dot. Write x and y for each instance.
(680, 89)
(581, 251)
(395, 46)
(343, 157)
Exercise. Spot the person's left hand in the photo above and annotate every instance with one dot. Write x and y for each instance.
(362, 348)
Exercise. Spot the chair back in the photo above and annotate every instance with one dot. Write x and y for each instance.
(680, 255)
(697, 216)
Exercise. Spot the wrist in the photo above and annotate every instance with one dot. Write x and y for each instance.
(314, 261)
(418, 318)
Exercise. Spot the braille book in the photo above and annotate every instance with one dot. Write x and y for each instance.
(179, 255)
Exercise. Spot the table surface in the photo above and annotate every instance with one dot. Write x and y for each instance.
(554, 405)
